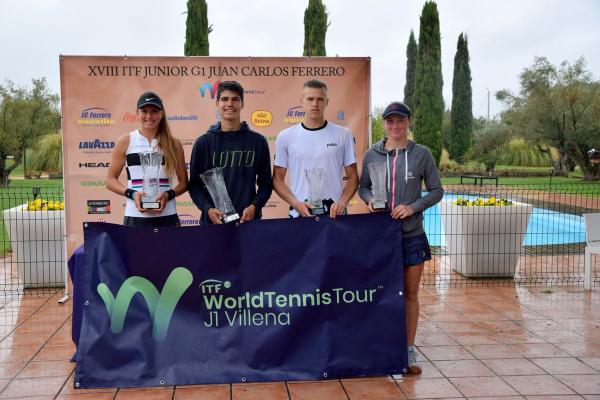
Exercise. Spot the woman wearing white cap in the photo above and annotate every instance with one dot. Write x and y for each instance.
(408, 166)
(153, 135)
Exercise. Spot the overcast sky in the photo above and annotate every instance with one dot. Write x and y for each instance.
(504, 36)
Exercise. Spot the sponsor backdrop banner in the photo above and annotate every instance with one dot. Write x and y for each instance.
(98, 105)
(325, 302)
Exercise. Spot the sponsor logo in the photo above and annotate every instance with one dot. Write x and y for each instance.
(133, 117)
(208, 88)
(95, 116)
(98, 206)
(262, 118)
(95, 145)
(176, 117)
(188, 220)
(185, 204)
(98, 183)
(341, 116)
(271, 138)
(160, 304)
(130, 117)
(294, 115)
(93, 165)
(187, 142)
(241, 309)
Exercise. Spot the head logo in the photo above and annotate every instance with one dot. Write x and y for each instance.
(294, 115)
(261, 118)
(211, 88)
(95, 116)
(160, 304)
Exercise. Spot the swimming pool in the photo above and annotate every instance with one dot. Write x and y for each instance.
(545, 226)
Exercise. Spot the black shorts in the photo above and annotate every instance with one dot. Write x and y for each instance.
(152, 222)
(415, 250)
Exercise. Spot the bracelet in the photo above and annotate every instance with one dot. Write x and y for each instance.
(130, 193)
(171, 194)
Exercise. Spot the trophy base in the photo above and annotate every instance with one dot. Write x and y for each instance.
(230, 218)
(317, 211)
(379, 205)
(150, 205)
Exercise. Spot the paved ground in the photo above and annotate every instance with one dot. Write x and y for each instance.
(480, 342)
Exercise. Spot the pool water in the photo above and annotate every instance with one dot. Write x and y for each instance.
(544, 227)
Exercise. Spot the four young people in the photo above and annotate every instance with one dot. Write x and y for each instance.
(244, 158)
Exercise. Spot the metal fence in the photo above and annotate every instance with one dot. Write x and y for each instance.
(537, 240)
(32, 241)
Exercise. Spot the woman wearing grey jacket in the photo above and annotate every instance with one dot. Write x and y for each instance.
(408, 165)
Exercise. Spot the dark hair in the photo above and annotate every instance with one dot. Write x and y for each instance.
(230, 85)
(315, 84)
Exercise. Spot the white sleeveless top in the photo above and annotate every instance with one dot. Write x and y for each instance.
(139, 144)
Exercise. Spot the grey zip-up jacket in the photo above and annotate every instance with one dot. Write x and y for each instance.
(406, 171)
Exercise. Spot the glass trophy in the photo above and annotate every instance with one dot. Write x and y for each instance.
(315, 184)
(151, 162)
(377, 172)
(215, 183)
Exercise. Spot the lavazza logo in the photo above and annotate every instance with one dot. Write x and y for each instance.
(262, 308)
(96, 146)
(95, 116)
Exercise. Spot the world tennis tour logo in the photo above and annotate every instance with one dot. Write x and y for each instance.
(160, 304)
(210, 88)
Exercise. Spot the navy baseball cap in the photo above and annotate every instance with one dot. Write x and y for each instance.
(396, 108)
(149, 98)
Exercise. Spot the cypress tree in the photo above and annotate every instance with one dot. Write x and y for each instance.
(428, 98)
(411, 65)
(196, 29)
(461, 126)
(315, 28)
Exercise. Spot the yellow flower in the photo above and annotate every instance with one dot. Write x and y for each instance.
(45, 205)
(479, 202)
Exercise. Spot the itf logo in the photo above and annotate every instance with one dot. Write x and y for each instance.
(160, 304)
(208, 87)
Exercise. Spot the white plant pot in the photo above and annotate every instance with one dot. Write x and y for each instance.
(485, 241)
(37, 241)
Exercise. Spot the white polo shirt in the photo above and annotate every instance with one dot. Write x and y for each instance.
(330, 147)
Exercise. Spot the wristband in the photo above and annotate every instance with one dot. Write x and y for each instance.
(171, 194)
(130, 193)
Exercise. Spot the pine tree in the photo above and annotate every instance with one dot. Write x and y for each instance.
(411, 65)
(196, 29)
(428, 98)
(315, 28)
(461, 129)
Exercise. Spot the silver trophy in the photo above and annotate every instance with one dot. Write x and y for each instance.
(215, 183)
(151, 163)
(377, 172)
(315, 178)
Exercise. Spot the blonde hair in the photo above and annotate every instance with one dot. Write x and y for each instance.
(168, 145)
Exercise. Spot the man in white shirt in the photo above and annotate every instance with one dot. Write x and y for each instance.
(315, 143)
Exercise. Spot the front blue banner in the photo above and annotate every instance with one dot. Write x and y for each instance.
(271, 300)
